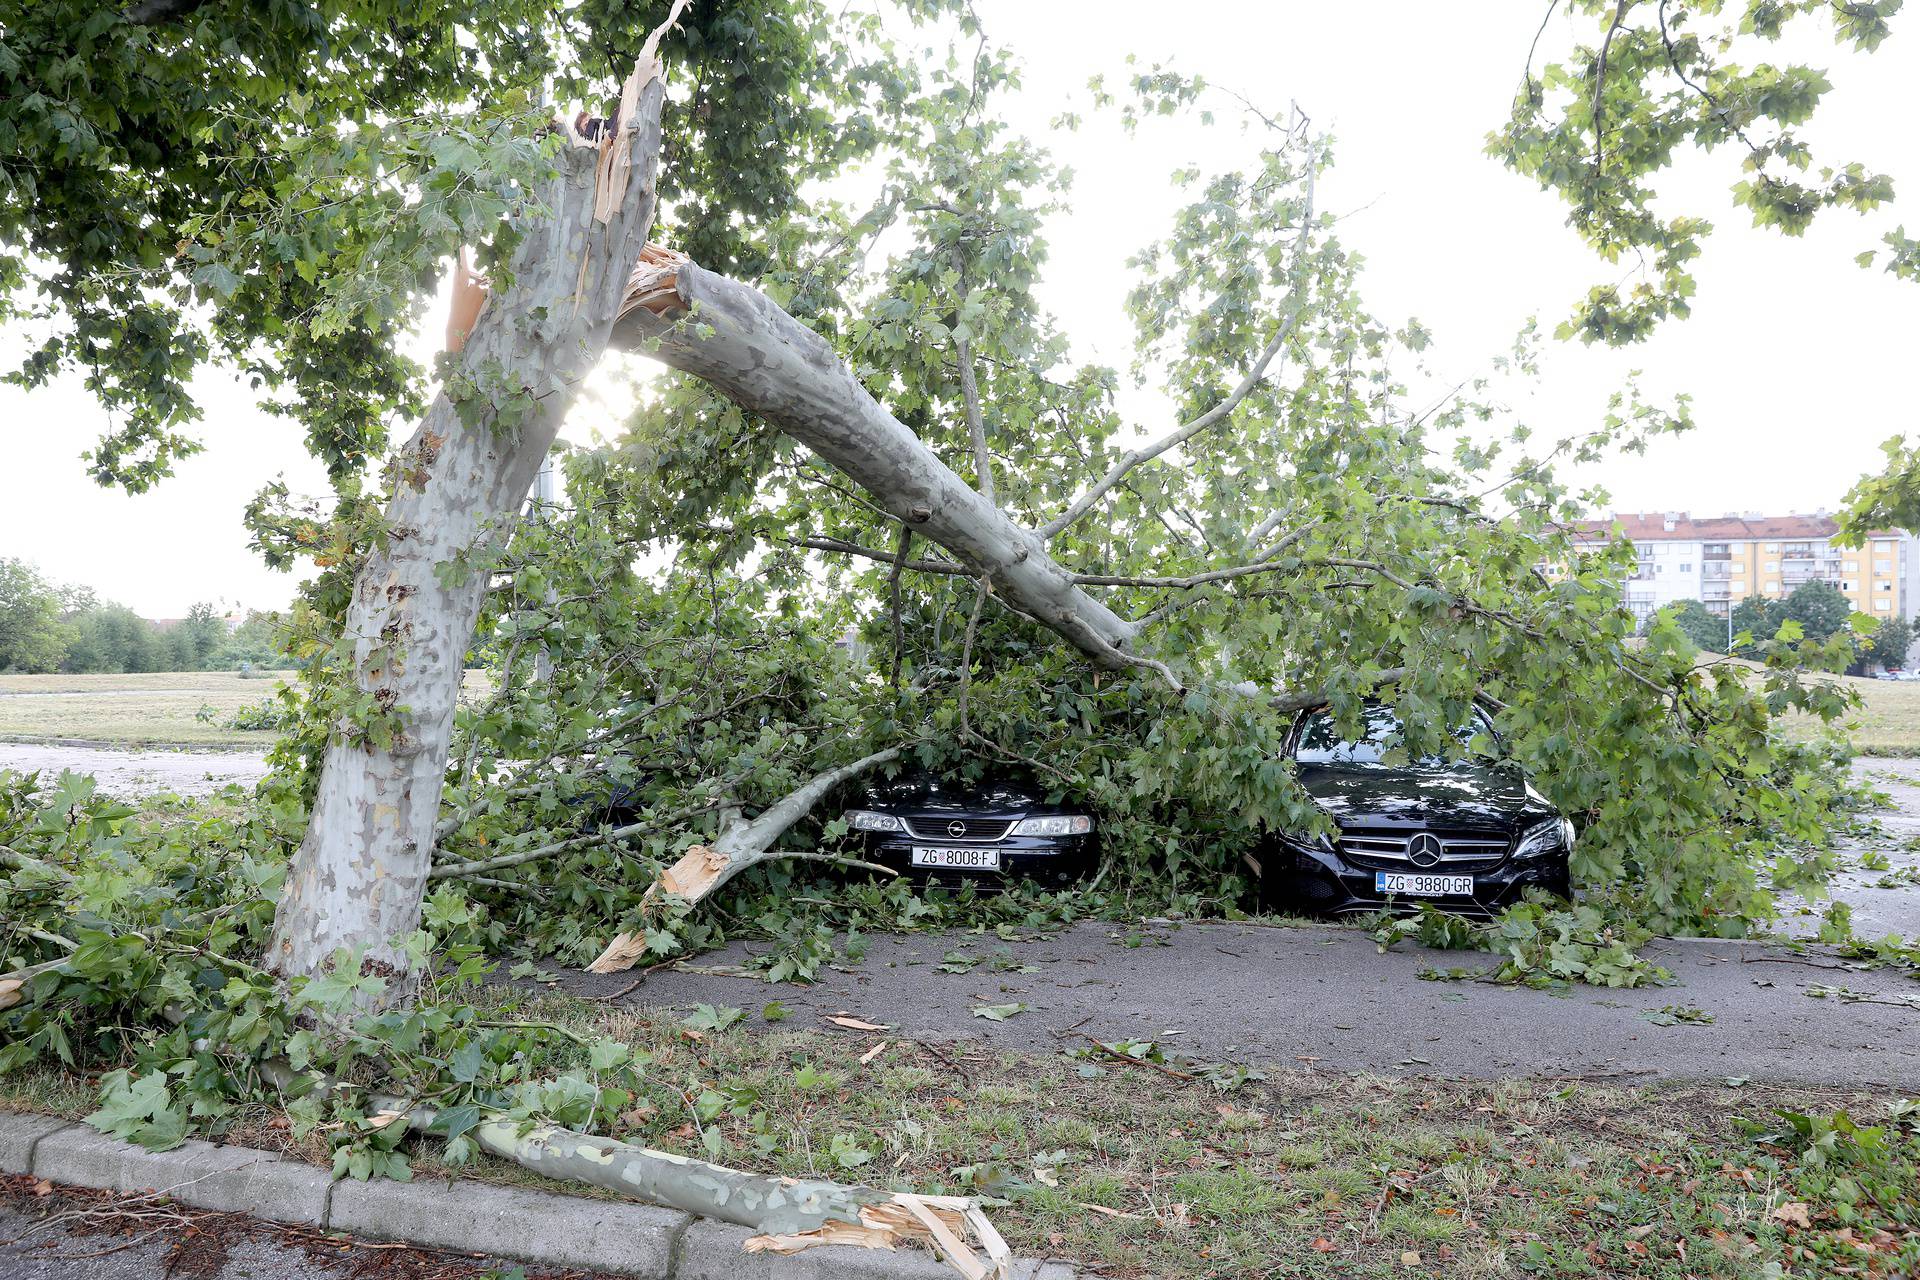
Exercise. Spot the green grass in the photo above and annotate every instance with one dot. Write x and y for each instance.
(1302, 1174)
(157, 709)
(160, 708)
(1889, 719)
(1887, 723)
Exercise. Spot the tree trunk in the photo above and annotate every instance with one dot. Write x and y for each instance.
(741, 343)
(358, 878)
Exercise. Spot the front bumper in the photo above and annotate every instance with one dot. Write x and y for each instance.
(1051, 861)
(1318, 881)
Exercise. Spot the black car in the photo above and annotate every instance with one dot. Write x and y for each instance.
(1469, 833)
(954, 832)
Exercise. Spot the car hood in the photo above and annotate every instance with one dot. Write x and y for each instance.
(1460, 794)
(993, 796)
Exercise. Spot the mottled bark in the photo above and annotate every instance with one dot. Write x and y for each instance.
(359, 875)
(740, 342)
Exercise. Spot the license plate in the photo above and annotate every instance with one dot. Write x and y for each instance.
(1422, 886)
(966, 859)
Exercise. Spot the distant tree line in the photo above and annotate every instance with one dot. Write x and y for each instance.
(1822, 612)
(45, 626)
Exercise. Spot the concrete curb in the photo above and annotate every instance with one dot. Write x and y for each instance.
(466, 1217)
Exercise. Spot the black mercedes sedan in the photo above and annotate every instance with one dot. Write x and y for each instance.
(953, 832)
(1468, 833)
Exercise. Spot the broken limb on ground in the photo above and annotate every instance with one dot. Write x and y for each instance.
(704, 868)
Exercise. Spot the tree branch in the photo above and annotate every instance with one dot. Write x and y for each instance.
(1291, 310)
(463, 870)
(743, 345)
(704, 868)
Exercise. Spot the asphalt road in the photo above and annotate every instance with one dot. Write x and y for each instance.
(136, 773)
(1326, 998)
(1894, 908)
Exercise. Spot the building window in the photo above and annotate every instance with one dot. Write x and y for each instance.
(1851, 566)
(1884, 606)
(1882, 566)
(1686, 568)
(1773, 566)
(1849, 586)
(1773, 588)
(1773, 546)
(1883, 586)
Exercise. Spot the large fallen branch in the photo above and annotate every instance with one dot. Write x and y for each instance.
(790, 1214)
(704, 868)
(742, 344)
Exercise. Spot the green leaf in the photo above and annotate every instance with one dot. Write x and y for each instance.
(997, 1012)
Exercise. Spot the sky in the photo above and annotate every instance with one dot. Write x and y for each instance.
(1799, 363)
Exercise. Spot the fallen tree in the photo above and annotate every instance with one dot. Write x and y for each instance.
(1309, 532)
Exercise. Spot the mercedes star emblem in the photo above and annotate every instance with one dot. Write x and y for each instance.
(1423, 850)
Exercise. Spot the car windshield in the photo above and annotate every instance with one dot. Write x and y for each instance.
(1320, 741)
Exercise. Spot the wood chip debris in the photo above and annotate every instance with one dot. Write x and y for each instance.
(938, 1222)
(852, 1022)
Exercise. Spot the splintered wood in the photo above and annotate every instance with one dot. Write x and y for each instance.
(655, 282)
(616, 157)
(937, 1222)
(697, 871)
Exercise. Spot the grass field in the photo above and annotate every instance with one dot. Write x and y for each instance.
(1888, 722)
(133, 710)
(155, 710)
(1314, 1175)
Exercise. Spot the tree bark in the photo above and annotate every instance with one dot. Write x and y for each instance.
(740, 342)
(357, 880)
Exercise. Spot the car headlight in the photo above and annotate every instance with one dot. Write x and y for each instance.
(867, 820)
(1066, 824)
(1544, 837)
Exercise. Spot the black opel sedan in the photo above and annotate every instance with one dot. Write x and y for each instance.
(953, 832)
(1468, 834)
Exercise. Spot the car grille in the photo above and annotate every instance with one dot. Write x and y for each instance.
(971, 829)
(1457, 848)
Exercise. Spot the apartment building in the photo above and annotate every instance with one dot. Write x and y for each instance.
(1722, 560)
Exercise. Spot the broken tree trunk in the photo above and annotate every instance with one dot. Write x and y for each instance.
(357, 880)
(742, 344)
(704, 868)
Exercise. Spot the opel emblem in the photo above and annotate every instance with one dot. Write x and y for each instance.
(1423, 850)
(956, 828)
